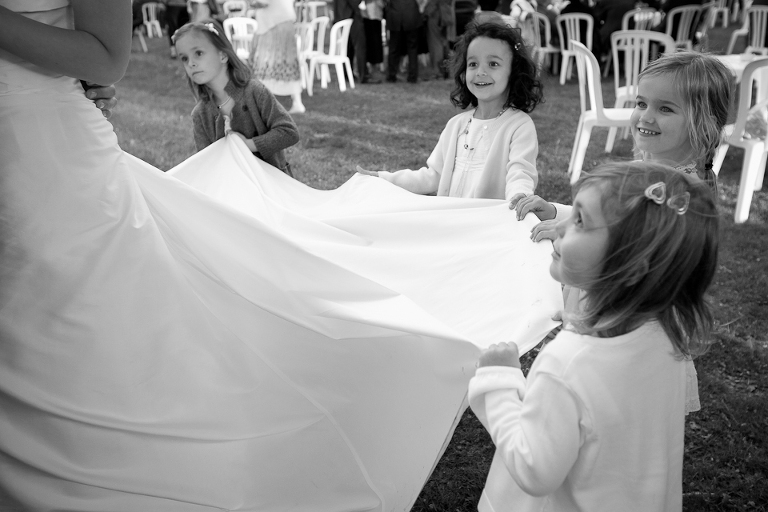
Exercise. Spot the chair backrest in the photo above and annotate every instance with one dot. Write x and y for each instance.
(757, 18)
(232, 8)
(149, 11)
(240, 31)
(541, 21)
(239, 26)
(306, 37)
(632, 50)
(569, 27)
(745, 107)
(641, 18)
(339, 37)
(319, 27)
(682, 23)
(590, 90)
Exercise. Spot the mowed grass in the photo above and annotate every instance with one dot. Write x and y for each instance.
(393, 126)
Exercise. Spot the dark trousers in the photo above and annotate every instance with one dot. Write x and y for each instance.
(356, 47)
(398, 39)
(175, 17)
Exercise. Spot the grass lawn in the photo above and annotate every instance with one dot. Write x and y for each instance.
(392, 126)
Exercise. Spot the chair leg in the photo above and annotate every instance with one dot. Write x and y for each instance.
(753, 156)
(311, 79)
(340, 75)
(324, 76)
(761, 169)
(580, 151)
(565, 64)
(717, 162)
(348, 65)
(610, 139)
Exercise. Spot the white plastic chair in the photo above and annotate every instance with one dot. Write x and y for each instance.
(593, 113)
(755, 150)
(631, 51)
(316, 46)
(687, 17)
(240, 31)
(641, 18)
(305, 40)
(757, 26)
(235, 8)
(543, 50)
(149, 14)
(569, 29)
(722, 10)
(337, 55)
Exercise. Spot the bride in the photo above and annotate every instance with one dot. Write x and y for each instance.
(221, 337)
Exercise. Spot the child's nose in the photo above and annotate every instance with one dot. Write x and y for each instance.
(560, 227)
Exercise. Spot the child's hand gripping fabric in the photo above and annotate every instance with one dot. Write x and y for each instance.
(500, 354)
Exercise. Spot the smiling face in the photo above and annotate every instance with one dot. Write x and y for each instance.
(659, 123)
(489, 66)
(582, 241)
(202, 61)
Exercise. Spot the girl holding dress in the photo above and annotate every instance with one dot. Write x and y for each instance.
(598, 424)
(489, 151)
(229, 100)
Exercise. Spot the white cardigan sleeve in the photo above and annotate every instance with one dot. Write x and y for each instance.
(535, 427)
(521, 164)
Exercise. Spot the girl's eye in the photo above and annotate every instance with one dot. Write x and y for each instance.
(666, 109)
(199, 53)
(641, 104)
(471, 64)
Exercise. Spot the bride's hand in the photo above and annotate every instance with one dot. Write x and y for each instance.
(360, 170)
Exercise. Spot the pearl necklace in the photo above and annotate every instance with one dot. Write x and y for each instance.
(229, 98)
(466, 130)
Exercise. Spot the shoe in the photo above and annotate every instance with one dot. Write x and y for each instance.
(370, 80)
(391, 79)
(297, 110)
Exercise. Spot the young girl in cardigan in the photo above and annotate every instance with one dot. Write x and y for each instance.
(598, 424)
(229, 99)
(489, 151)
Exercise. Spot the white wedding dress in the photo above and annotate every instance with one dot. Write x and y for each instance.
(222, 337)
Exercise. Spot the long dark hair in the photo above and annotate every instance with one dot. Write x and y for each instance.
(525, 89)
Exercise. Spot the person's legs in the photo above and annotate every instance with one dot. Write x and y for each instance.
(412, 45)
(393, 59)
(436, 43)
(357, 35)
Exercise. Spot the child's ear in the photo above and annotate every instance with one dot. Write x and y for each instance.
(223, 57)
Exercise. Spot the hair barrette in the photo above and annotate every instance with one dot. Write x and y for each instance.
(658, 194)
(210, 27)
(518, 46)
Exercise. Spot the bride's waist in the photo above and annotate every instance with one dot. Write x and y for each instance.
(25, 79)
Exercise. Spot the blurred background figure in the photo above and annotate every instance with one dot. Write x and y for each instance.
(275, 58)
(403, 22)
(176, 15)
(440, 19)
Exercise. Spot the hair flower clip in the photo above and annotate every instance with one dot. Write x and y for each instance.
(518, 46)
(658, 194)
(210, 27)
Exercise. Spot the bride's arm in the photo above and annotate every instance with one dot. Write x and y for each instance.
(96, 51)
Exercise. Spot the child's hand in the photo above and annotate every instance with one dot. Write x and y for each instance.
(541, 208)
(544, 230)
(500, 354)
(248, 142)
(360, 170)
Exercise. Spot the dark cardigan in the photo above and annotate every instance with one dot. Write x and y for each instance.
(257, 115)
